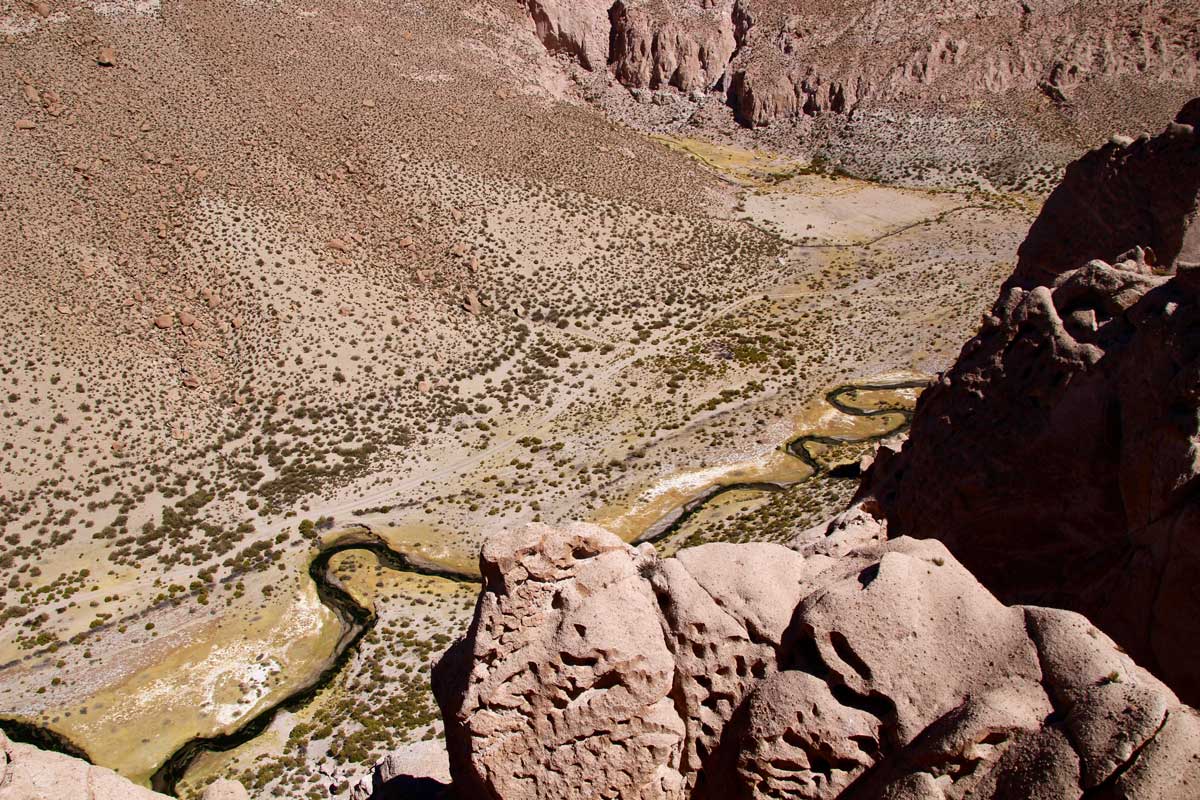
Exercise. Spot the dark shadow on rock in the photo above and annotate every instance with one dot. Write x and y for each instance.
(409, 787)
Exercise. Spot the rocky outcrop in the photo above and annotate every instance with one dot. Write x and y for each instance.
(30, 773)
(1130, 193)
(853, 667)
(777, 60)
(1058, 458)
(27, 773)
(658, 43)
(579, 28)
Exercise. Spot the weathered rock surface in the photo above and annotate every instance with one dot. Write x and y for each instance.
(225, 789)
(1058, 458)
(28, 773)
(417, 771)
(577, 27)
(657, 43)
(777, 60)
(853, 667)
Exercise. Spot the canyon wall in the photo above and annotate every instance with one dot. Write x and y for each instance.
(776, 60)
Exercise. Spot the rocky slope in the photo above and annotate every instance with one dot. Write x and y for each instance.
(27, 773)
(776, 60)
(898, 89)
(1058, 458)
(857, 667)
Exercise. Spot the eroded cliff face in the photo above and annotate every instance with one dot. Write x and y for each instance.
(1058, 459)
(663, 43)
(851, 667)
(776, 60)
(579, 28)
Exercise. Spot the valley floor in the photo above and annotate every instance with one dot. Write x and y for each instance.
(642, 398)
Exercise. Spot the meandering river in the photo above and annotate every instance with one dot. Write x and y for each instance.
(358, 620)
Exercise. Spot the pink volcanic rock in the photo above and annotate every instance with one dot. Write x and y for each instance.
(658, 43)
(28, 773)
(592, 669)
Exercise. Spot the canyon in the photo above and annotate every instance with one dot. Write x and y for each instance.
(1055, 460)
(599, 367)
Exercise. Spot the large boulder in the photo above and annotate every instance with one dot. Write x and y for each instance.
(1058, 458)
(28, 773)
(593, 669)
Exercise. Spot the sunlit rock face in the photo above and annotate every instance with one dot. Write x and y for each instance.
(776, 61)
(850, 666)
(29, 773)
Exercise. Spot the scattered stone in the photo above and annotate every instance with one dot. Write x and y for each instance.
(24, 124)
(106, 57)
(471, 302)
(164, 321)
